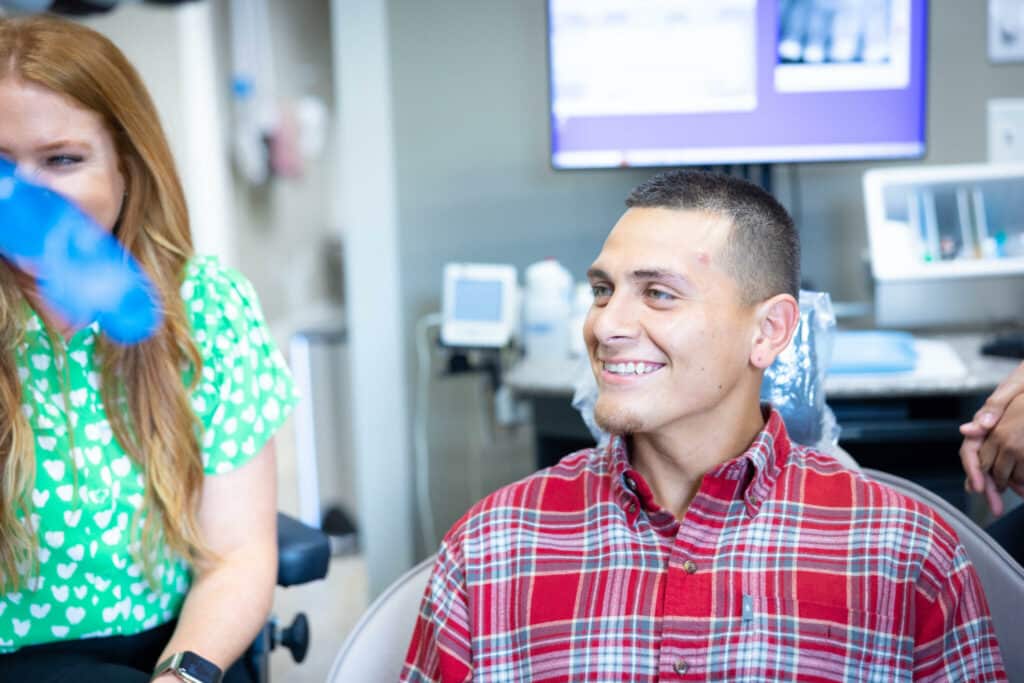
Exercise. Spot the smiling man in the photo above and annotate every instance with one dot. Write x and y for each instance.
(701, 544)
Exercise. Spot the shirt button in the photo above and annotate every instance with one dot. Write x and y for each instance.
(632, 507)
(681, 667)
(631, 483)
(690, 567)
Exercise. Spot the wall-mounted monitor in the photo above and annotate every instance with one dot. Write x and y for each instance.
(693, 82)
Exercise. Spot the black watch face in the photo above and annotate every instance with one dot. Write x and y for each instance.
(197, 667)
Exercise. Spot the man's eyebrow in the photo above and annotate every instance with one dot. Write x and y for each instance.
(664, 275)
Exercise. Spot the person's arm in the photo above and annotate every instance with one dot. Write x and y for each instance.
(954, 639)
(992, 452)
(230, 600)
(440, 649)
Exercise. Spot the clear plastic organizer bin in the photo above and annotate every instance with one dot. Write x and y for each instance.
(947, 244)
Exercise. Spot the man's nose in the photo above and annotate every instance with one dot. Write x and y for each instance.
(617, 320)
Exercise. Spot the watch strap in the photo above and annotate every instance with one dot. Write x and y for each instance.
(189, 667)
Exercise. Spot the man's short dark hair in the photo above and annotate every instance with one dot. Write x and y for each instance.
(763, 248)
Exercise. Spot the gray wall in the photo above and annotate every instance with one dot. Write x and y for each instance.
(469, 84)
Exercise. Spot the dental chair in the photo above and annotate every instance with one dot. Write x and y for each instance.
(303, 554)
(1001, 576)
(375, 649)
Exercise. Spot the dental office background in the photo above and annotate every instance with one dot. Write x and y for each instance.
(433, 147)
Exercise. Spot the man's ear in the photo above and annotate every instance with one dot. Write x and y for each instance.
(776, 320)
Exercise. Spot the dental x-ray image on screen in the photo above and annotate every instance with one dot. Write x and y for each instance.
(843, 45)
(841, 31)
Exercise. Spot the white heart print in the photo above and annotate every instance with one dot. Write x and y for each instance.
(71, 517)
(21, 627)
(55, 468)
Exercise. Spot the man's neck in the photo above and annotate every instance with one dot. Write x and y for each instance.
(674, 460)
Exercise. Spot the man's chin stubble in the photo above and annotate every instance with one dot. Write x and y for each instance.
(616, 421)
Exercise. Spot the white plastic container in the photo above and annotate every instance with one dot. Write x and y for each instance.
(546, 311)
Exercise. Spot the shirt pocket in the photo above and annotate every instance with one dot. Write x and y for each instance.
(782, 638)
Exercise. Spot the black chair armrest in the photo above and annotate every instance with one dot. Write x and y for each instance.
(302, 552)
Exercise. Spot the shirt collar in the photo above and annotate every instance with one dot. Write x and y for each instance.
(756, 470)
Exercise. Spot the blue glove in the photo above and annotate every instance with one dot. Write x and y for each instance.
(82, 271)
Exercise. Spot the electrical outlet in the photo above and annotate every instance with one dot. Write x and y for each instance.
(1006, 130)
(1005, 31)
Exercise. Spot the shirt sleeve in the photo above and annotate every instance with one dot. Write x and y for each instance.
(954, 637)
(245, 391)
(440, 647)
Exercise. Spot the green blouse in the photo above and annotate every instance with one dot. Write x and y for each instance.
(88, 582)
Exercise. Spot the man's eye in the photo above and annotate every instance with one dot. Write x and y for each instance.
(601, 291)
(660, 295)
(60, 160)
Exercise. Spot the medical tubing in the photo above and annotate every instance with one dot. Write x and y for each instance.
(421, 443)
(485, 432)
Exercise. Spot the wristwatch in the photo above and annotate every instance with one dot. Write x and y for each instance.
(189, 667)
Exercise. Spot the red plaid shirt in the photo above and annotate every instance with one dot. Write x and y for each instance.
(785, 566)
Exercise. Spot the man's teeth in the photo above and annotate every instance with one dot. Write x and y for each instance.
(631, 368)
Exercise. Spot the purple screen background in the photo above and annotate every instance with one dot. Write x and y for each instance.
(815, 118)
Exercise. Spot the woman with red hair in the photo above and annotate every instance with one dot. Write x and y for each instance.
(137, 483)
